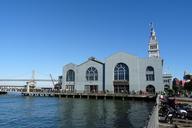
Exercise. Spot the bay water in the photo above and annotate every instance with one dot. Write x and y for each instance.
(52, 112)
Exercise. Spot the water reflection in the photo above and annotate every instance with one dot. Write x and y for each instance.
(101, 113)
(49, 112)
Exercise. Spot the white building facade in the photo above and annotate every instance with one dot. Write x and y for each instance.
(167, 81)
(119, 73)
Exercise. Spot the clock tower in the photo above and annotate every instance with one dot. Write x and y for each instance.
(153, 48)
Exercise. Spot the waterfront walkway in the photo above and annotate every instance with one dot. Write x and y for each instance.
(179, 123)
(153, 121)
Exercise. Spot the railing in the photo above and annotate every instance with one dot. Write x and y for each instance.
(154, 117)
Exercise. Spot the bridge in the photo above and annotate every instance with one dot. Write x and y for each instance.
(4, 86)
(26, 84)
(12, 88)
(42, 80)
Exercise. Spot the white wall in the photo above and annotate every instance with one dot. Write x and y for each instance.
(130, 61)
(66, 68)
(81, 75)
(156, 63)
(137, 72)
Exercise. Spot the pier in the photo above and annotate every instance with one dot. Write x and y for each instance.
(96, 96)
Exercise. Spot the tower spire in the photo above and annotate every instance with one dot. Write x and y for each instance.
(153, 34)
(153, 49)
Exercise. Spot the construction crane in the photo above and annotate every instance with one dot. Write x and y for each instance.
(56, 86)
(52, 80)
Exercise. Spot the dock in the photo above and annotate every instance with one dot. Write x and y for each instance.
(96, 96)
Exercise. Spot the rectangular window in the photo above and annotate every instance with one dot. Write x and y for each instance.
(150, 77)
(96, 77)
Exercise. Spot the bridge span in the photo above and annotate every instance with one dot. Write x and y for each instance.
(23, 83)
(12, 88)
(41, 80)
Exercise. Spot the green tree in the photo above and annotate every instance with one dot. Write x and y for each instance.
(170, 92)
(177, 86)
(188, 86)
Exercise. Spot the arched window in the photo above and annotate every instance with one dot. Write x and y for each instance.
(70, 75)
(150, 75)
(91, 74)
(121, 72)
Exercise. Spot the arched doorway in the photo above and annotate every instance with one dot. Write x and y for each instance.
(121, 78)
(150, 89)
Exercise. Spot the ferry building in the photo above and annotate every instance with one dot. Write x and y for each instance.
(119, 73)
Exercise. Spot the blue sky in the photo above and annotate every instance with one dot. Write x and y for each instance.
(44, 35)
